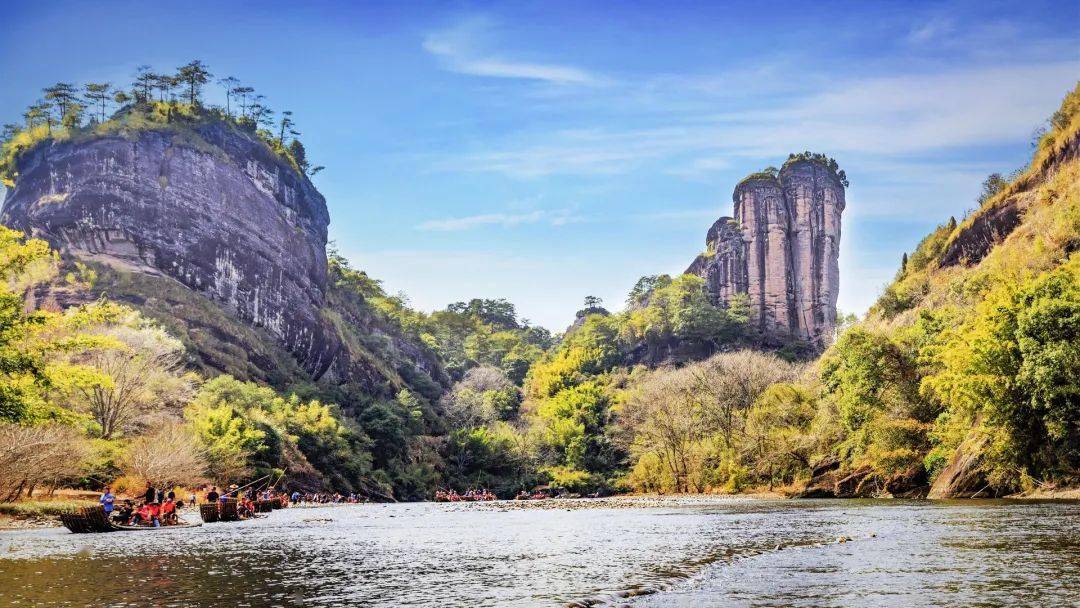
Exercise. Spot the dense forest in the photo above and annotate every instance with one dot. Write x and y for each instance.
(969, 352)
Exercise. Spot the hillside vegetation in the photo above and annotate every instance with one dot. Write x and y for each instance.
(960, 381)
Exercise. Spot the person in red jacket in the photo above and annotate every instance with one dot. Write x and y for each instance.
(168, 512)
(153, 514)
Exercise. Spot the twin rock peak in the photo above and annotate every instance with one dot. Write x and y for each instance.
(781, 249)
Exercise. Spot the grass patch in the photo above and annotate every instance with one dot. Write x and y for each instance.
(35, 509)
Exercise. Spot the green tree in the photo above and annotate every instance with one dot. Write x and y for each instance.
(296, 150)
(39, 113)
(97, 93)
(286, 125)
(62, 95)
(229, 84)
(993, 184)
(1015, 362)
(23, 373)
(194, 75)
(142, 89)
(645, 286)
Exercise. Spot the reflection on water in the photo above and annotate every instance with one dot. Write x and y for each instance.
(703, 553)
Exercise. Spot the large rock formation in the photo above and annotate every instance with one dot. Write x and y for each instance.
(231, 220)
(212, 207)
(781, 249)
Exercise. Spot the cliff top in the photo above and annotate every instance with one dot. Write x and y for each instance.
(768, 174)
(188, 124)
(772, 174)
(819, 159)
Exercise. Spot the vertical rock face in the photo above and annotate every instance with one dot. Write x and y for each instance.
(211, 207)
(782, 250)
(723, 266)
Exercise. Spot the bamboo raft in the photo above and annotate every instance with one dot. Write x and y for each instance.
(266, 506)
(209, 512)
(226, 510)
(94, 519)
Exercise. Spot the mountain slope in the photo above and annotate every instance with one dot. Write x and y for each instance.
(198, 222)
(983, 326)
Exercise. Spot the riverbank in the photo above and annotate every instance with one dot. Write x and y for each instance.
(45, 513)
(37, 513)
(625, 501)
(1049, 494)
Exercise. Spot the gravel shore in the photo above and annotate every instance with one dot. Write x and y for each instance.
(644, 501)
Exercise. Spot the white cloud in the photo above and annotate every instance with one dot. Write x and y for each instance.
(506, 220)
(885, 116)
(931, 30)
(457, 48)
(696, 215)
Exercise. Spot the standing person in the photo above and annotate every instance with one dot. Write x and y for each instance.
(150, 494)
(107, 499)
(212, 496)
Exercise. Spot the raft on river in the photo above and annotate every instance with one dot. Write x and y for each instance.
(94, 519)
(226, 510)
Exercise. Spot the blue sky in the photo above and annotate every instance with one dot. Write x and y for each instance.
(545, 151)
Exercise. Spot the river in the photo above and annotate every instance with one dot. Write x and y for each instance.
(660, 553)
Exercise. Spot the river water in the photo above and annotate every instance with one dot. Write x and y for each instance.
(692, 552)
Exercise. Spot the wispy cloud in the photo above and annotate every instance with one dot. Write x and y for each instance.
(460, 50)
(931, 30)
(888, 116)
(696, 215)
(505, 220)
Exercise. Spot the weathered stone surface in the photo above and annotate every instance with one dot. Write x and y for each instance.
(723, 266)
(224, 216)
(911, 483)
(815, 199)
(976, 240)
(823, 478)
(860, 483)
(782, 250)
(963, 477)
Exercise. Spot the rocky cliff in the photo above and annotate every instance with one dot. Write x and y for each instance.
(781, 249)
(213, 208)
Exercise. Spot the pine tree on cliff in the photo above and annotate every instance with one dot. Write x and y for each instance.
(38, 113)
(164, 84)
(73, 115)
(231, 84)
(97, 93)
(296, 149)
(242, 94)
(145, 81)
(261, 115)
(194, 75)
(286, 123)
(62, 95)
